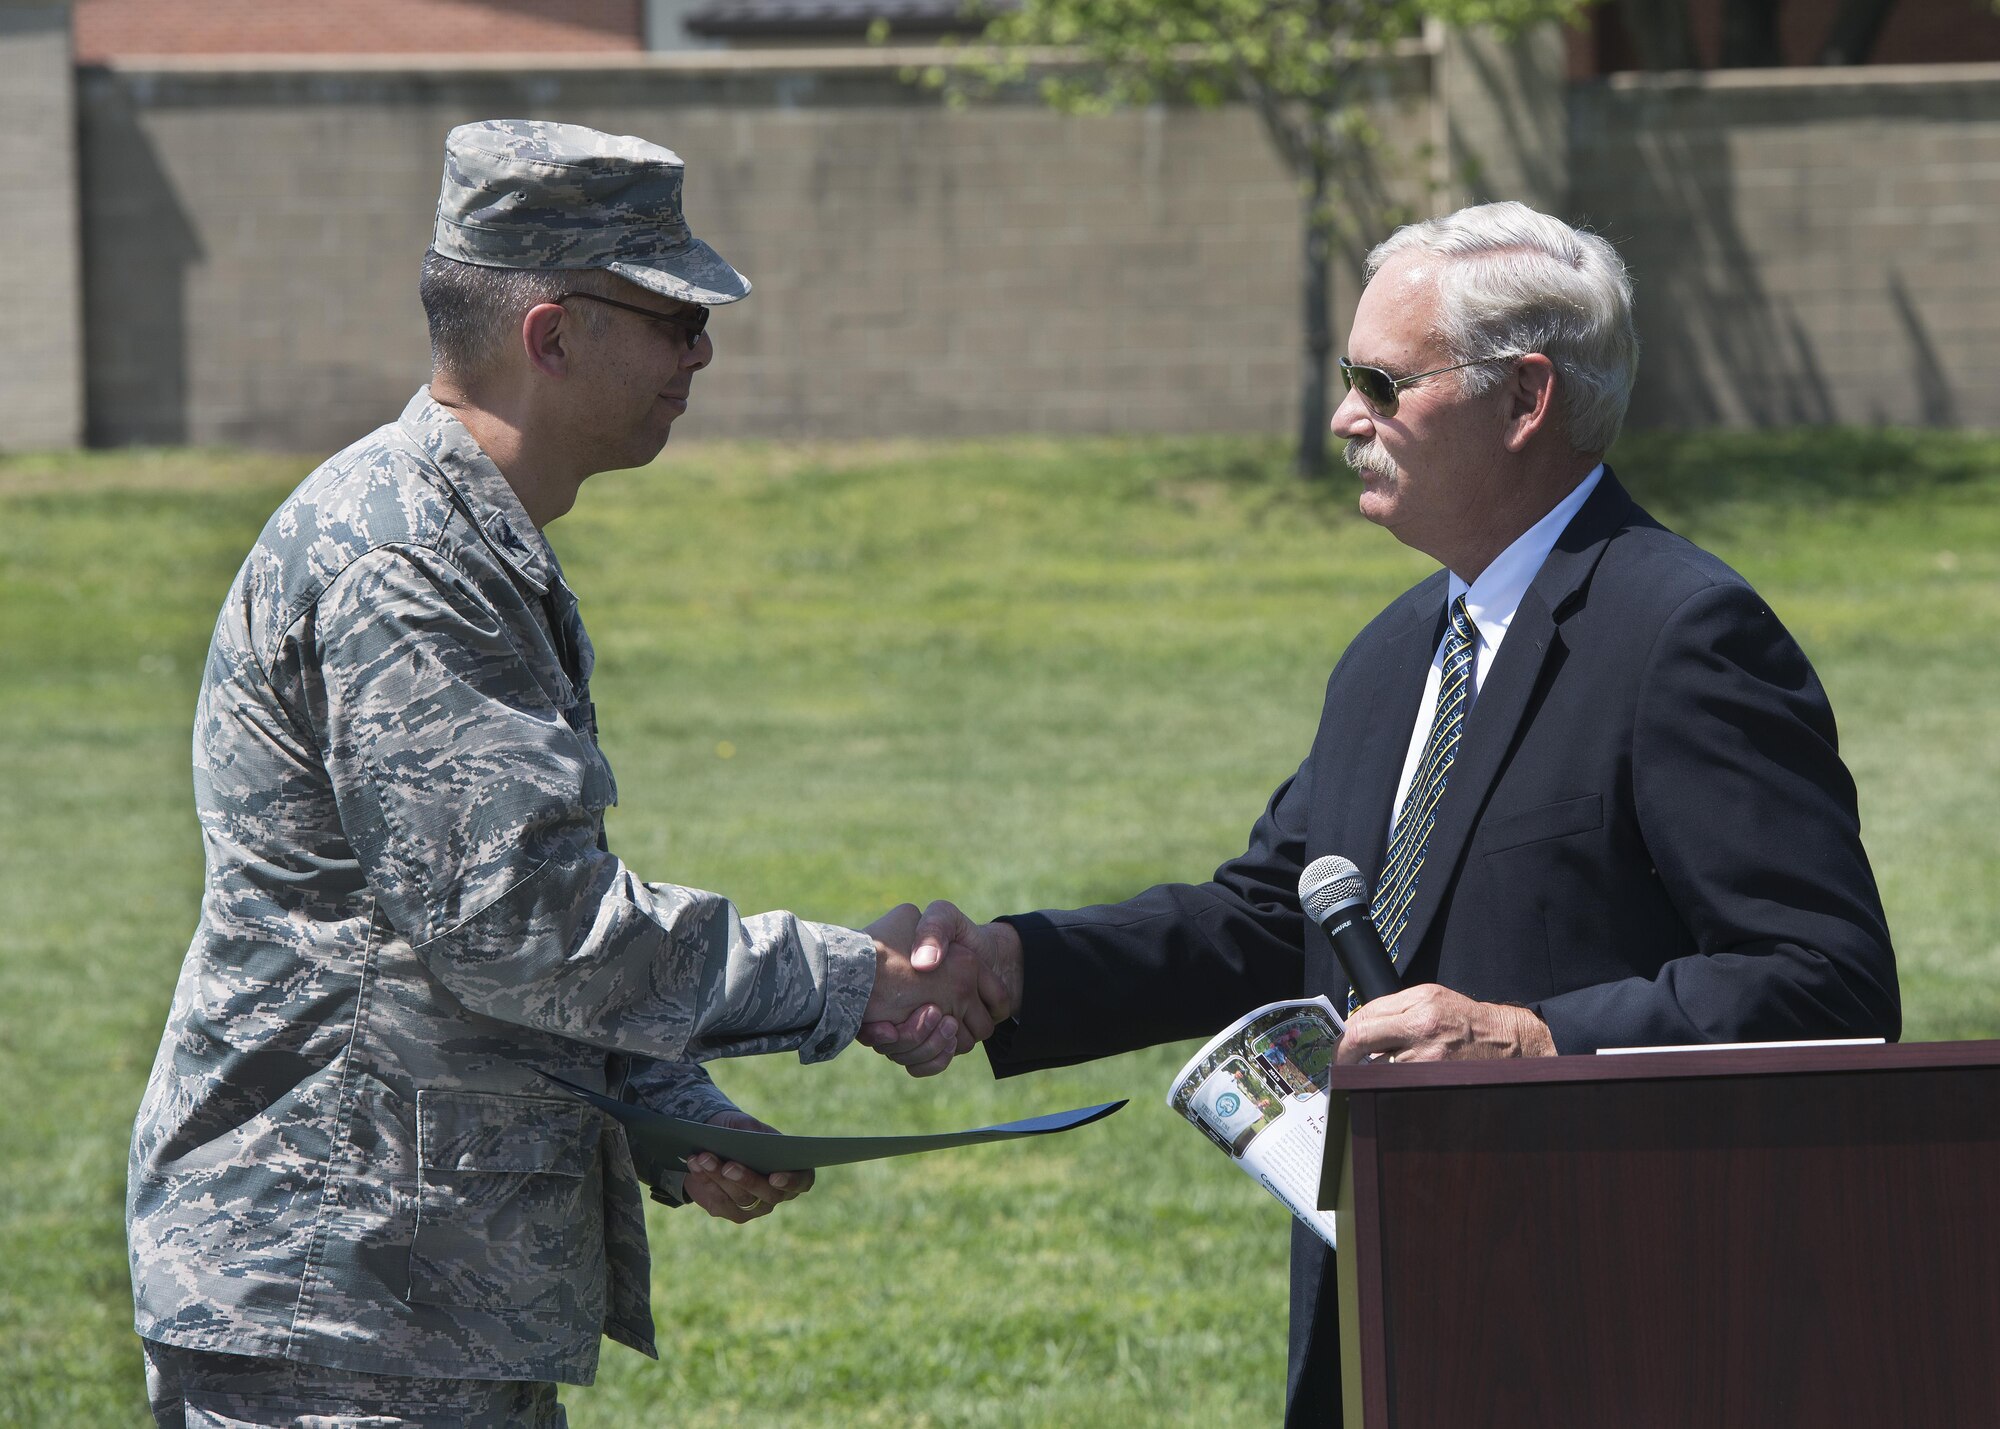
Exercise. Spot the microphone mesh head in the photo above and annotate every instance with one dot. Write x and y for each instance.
(1329, 883)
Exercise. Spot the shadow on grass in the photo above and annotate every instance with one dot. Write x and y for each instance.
(1253, 473)
(1193, 473)
(1678, 475)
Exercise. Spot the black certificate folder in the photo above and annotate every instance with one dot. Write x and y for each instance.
(661, 1144)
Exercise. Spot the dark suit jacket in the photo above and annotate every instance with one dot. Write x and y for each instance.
(1648, 837)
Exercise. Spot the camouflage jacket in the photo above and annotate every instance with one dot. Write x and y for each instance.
(344, 1154)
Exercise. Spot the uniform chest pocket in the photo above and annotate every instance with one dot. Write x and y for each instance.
(509, 1204)
(1548, 821)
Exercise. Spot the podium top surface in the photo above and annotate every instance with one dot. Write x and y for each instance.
(1786, 1060)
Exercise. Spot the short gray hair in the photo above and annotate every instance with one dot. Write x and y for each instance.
(475, 312)
(1516, 281)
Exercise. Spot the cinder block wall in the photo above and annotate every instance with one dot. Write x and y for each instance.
(1809, 246)
(41, 347)
(253, 241)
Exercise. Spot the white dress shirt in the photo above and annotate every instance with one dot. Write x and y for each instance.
(1491, 602)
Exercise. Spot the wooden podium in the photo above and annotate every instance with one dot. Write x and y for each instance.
(1764, 1237)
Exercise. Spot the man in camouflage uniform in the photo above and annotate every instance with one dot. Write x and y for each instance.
(350, 1192)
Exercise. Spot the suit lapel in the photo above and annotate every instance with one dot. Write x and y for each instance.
(1494, 722)
(1490, 728)
(1383, 742)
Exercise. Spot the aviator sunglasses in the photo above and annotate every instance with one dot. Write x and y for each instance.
(1378, 389)
(689, 324)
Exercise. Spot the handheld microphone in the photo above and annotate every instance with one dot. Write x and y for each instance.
(1335, 896)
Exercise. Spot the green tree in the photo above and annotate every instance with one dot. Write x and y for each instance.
(1307, 67)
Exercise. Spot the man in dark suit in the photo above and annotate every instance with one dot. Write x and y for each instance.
(1592, 780)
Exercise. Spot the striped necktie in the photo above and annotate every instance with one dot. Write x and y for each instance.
(1397, 888)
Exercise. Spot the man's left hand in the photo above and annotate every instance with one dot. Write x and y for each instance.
(731, 1191)
(1429, 1023)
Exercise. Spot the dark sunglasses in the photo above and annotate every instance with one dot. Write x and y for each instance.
(689, 325)
(1378, 389)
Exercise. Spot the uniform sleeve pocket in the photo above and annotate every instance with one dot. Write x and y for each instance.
(509, 1201)
(600, 786)
(1549, 821)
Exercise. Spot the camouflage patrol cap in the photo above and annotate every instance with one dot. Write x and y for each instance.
(525, 193)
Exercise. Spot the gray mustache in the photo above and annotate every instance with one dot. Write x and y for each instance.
(1369, 457)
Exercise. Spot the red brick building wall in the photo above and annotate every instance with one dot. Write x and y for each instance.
(107, 29)
(1916, 32)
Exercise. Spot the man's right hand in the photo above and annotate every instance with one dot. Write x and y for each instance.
(946, 943)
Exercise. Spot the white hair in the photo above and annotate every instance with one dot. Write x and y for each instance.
(1517, 281)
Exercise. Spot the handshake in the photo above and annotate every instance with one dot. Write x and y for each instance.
(942, 983)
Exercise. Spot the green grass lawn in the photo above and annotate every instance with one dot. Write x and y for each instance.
(1014, 673)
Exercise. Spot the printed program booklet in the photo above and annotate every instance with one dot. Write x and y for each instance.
(1258, 1091)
